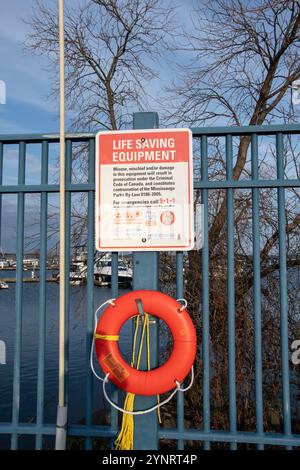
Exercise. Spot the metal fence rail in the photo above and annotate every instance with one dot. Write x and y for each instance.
(89, 431)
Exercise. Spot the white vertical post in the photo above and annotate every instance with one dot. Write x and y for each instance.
(61, 433)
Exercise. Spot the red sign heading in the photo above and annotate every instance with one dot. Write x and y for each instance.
(152, 147)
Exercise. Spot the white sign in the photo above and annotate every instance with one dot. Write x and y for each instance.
(144, 190)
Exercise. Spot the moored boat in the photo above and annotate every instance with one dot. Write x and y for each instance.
(3, 285)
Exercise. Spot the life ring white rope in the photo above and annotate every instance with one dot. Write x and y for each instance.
(111, 302)
(153, 408)
(105, 379)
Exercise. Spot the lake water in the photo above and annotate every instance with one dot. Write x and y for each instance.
(78, 363)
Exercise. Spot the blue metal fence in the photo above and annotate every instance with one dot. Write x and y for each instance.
(148, 278)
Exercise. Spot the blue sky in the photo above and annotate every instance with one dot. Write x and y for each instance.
(27, 109)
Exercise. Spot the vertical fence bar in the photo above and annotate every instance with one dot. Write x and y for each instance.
(114, 274)
(205, 296)
(90, 290)
(1, 179)
(1, 162)
(68, 195)
(114, 390)
(19, 295)
(284, 333)
(257, 294)
(231, 293)
(180, 396)
(42, 295)
(145, 270)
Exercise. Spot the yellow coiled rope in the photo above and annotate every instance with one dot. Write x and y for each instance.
(125, 438)
(107, 337)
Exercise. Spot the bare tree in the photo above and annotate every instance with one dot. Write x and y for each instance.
(109, 51)
(110, 47)
(246, 57)
(242, 60)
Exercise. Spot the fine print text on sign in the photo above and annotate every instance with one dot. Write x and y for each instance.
(144, 190)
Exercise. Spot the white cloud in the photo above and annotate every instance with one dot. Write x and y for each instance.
(26, 80)
(9, 126)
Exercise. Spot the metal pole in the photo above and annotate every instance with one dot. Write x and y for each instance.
(61, 431)
(231, 294)
(1, 177)
(145, 276)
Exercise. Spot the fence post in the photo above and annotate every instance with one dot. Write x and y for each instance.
(145, 276)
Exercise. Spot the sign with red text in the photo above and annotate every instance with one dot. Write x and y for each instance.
(144, 190)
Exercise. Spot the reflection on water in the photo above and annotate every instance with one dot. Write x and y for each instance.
(78, 356)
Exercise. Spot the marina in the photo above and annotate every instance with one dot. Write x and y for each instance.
(78, 272)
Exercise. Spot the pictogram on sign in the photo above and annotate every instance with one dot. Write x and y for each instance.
(144, 190)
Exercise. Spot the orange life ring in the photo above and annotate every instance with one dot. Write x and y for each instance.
(176, 368)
